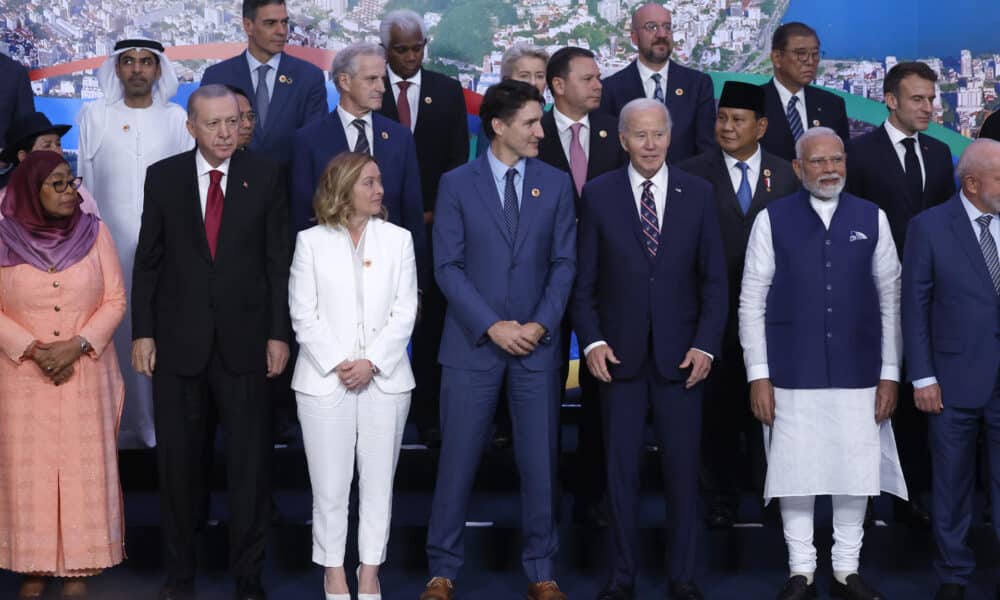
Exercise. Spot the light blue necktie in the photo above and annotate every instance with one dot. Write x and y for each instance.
(263, 96)
(744, 195)
(658, 90)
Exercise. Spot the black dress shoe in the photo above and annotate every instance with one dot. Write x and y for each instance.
(616, 593)
(855, 589)
(913, 515)
(249, 588)
(685, 591)
(177, 590)
(952, 591)
(796, 588)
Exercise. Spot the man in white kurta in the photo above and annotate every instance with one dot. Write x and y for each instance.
(820, 330)
(133, 126)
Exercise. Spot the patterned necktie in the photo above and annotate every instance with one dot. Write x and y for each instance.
(510, 208)
(361, 145)
(213, 210)
(914, 178)
(263, 94)
(744, 195)
(647, 216)
(403, 104)
(577, 158)
(989, 248)
(794, 120)
(658, 90)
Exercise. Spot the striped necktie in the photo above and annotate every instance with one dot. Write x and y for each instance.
(648, 220)
(794, 120)
(989, 248)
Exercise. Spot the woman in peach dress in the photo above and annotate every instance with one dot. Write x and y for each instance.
(61, 393)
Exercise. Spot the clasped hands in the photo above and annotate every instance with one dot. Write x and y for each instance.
(355, 374)
(514, 338)
(55, 359)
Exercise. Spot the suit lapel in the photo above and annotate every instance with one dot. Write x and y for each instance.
(724, 185)
(284, 80)
(194, 210)
(551, 145)
(602, 149)
(486, 191)
(634, 83)
(677, 81)
(628, 211)
(765, 181)
(233, 203)
(389, 101)
(891, 167)
(675, 193)
(534, 192)
(814, 109)
(964, 233)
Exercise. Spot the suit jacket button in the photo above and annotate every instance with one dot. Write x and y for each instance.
(57, 309)
(56, 333)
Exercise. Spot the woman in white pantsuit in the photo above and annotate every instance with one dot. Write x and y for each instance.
(353, 300)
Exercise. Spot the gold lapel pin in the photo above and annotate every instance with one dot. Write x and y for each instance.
(535, 192)
(125, 128)
(427, 100)
(815, 122)
(284, 79)
(602, 133)
(679, 92)
(767, 172)
(385, 135)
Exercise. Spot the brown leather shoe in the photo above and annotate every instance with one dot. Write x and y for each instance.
(545, 590)
(32, 586)
(74, 587)
(438, 588)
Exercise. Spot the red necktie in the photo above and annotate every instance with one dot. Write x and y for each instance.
(403, 105)
(213, 210)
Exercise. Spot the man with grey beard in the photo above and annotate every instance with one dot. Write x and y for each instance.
(820, 330)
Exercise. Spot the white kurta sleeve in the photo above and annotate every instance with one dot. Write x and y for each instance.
(887, 272)
(758, 273)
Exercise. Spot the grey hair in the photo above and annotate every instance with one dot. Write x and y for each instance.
(976, 158)
(406, 21)
(517, 52)
(211, 90)
(640, 104)
(811, 133)
(345, 62)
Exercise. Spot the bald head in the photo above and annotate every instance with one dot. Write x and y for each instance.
(979, 173)
(652, 34)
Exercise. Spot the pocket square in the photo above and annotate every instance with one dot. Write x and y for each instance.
(857, 236)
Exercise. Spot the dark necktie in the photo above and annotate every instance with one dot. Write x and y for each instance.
(744, 195)
(510, 209)
(989, 248)
(403, 104)
(361, 145)
(213, 210)
(914, 179)
(658, 90)
(263, 95)
(794, 120)
(647, 216)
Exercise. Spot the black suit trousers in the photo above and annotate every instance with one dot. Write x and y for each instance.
(181, 404)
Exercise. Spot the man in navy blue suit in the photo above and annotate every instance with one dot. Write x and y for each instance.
(649, 309)
(16, 99)
(505, 258)
(951, 336)
(293, 91)
(358, 72)
(686, 92)
(792, 103)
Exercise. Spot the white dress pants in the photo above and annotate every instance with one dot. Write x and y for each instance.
(848, 531)
(366, 424)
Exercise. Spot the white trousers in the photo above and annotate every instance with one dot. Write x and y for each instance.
(369, 425)
(848, 531)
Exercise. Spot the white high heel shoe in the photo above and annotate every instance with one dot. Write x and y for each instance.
(361, 596)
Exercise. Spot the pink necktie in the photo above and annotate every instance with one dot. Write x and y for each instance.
(577, 159)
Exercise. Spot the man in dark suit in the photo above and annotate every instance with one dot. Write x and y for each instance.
(649, 307)
(505, 240)
(904, 172)
(581, 141)
(359, 72)
(745, 179)
(210, 324)
(950, 306)
(432, 106)
(792, 103)
(686, 92)
(293, 91)
(16, 100)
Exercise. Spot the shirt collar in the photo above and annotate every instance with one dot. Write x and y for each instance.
(971, 210)
(753, 161)
(895, 135)
(347, 118)
(659, 179)
(785, 94)
(500, 170)
(203, 167)
(394, 79)
(645, 72)
(563, 122)
(273, 62)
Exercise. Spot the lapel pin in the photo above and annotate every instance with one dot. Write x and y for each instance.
(679, 92)
(368, 262)
(815, 122)
(678, 190)
(125, 128)
(246, 186)
(284, 79)
(427, 100)
(385, 135)
(602, 133)
(535, 192)
(767, 179)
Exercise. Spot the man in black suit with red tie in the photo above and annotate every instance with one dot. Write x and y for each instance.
(210, 325)
(745, 178)
(792, 103)
(905, 171)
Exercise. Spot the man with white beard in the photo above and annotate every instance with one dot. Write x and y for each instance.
(132, 127)
(820, 330)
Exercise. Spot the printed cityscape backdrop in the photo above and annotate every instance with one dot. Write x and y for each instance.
(861, 39)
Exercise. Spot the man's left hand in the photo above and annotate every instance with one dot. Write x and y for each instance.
(700, 364)
(533, 331)
(885, 399)
(277, 357)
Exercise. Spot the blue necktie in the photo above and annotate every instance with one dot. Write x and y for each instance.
(263, 96)
(510, 203)
(658, 90)
(648, 220)
(794, 120)
(744, 195)
(361, 144)
(989, 247)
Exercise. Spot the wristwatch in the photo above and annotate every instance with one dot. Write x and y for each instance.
(85, 346)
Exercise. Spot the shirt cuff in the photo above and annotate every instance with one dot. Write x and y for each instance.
(755, 372)
(590, 347)
(890, 372)
(924, 382)
(710, 357)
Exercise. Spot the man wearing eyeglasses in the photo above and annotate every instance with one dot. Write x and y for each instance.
(821, 337)
(687, 93)
(793, 103)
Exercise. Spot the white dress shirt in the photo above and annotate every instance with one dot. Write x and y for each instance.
(736, 174)
(896, 137)
(563, 124)
(272, 73)
(351, 132)
(204, 179)
(412, 93)
(785, 95)
(646, 76)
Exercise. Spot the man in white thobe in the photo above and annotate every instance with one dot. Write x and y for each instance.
(820, 330)
(132, 127)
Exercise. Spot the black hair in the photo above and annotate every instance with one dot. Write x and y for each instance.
(558, 65)
(250, 7)
(904, 69)
(503, 100)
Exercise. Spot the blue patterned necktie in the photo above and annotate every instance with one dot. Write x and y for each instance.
(361, 144)
(989, 247)
(647, 216)
(263, 95)
(510, 210)
(744, 195)
(794, 120)
(658, 90)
